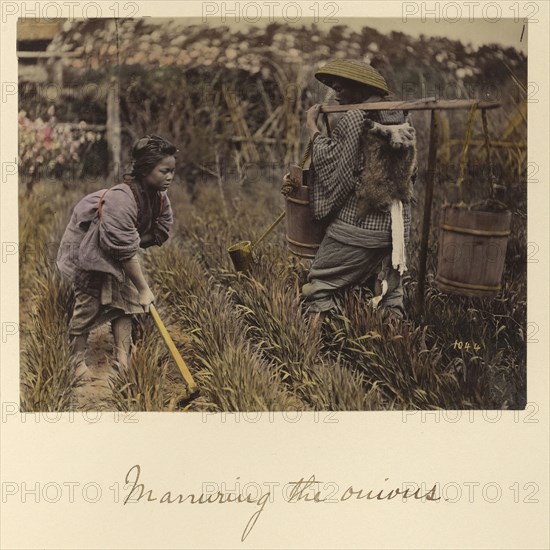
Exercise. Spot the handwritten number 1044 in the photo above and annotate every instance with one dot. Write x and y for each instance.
(459, 344)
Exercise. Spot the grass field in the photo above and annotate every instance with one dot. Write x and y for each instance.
(246, 338)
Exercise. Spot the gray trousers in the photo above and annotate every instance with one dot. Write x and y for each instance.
(338, 265)
(115, 300)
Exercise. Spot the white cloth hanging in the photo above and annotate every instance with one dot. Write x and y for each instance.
(398, 259)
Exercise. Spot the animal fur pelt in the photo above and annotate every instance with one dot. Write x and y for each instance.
(389, 153)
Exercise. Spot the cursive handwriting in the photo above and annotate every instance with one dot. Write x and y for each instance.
(304, 490)
(309, 491)
(138, 492)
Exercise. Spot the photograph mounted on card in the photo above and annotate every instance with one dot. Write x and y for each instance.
(272, 215)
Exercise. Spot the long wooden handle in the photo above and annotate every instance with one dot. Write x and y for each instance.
(270, 228)
(418, 105)
(173, 350)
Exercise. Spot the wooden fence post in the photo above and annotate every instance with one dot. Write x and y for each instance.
(113, 131)
(428, 199)
(58, 73)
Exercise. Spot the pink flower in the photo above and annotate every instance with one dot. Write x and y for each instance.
(46, 132)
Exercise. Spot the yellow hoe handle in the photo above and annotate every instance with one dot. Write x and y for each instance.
(173, 350)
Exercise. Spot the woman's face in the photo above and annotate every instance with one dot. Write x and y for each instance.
(161, 175)
(349, 92)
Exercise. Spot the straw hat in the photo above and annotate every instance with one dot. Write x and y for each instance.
(352, 70)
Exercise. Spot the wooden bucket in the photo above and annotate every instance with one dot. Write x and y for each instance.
(472, 250)
(303, 233)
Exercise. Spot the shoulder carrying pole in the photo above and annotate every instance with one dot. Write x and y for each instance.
(428, 104)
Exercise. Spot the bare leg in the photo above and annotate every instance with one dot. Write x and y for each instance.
(78, 345)
(122, 333)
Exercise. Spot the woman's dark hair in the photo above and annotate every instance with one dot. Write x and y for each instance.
(147, 152)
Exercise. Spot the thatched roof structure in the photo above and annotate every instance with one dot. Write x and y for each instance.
(160, 42)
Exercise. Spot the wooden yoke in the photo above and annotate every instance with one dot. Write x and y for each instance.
(428, 104)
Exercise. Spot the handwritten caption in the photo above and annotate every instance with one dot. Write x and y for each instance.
(257, 496)
(312, 490)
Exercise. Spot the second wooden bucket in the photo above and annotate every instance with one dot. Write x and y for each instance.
(472, 250)
(304, 233)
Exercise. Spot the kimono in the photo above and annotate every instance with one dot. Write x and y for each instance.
(106, 228)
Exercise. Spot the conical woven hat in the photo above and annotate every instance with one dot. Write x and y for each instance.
(352, 70)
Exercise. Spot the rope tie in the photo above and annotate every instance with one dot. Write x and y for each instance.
(467, 138)
(290, 185)
(487, 144)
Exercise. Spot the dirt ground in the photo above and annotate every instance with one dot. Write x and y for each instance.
(94, 392)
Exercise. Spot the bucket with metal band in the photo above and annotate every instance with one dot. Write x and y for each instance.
(472, 250)
(304, 233)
